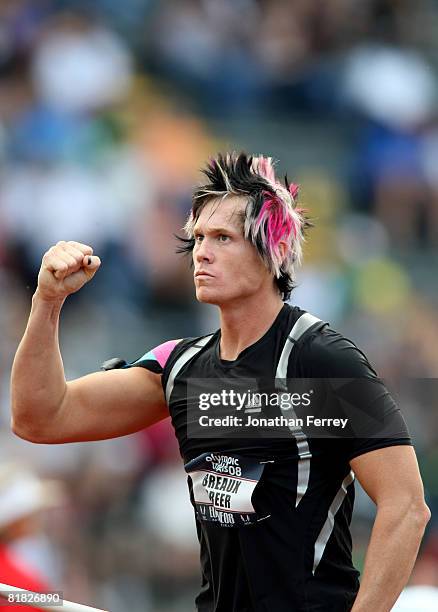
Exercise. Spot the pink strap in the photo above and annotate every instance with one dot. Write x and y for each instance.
(162, 351)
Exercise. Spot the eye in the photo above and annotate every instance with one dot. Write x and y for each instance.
(223, 238)
(198, 237)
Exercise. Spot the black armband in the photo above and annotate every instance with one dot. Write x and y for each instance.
(113, 364)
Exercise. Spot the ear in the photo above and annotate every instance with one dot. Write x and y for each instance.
(282, 247)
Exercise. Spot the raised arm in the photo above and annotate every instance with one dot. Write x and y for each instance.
(48, 409)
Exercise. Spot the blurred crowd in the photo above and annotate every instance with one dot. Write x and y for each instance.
(107, 111)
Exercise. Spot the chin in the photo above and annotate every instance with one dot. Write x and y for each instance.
(207, 296)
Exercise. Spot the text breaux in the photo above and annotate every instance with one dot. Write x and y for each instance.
(221, 483)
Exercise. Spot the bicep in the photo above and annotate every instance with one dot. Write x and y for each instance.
(390, 475)
(109, 404)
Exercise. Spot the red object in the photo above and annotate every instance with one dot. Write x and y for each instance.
(16, 573)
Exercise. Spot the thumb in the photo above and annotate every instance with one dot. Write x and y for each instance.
(90, 265)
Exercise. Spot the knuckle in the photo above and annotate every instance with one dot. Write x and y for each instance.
(72, 246)
(75, 253)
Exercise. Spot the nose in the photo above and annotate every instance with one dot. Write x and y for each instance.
(203, 252)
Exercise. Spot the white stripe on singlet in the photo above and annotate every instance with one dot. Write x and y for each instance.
(181, 362)
(327, 528)
(301, 326)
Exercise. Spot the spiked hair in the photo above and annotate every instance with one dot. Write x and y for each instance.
(271, 214)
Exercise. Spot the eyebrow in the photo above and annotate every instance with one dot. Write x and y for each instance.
(214, 230)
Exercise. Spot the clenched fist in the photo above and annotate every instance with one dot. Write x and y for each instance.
(65, 268)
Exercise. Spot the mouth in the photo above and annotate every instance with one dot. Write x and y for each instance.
(203, 275)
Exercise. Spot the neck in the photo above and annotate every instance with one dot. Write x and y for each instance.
(245, 322)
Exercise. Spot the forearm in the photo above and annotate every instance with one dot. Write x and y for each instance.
(37, 381)
(391, 554)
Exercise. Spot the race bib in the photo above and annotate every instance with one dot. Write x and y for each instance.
(223, 485)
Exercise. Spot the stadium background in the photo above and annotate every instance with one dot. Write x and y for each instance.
(107, 111)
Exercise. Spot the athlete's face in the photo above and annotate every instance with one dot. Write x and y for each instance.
(226, 266)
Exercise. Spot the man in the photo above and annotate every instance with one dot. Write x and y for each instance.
(272, 511)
